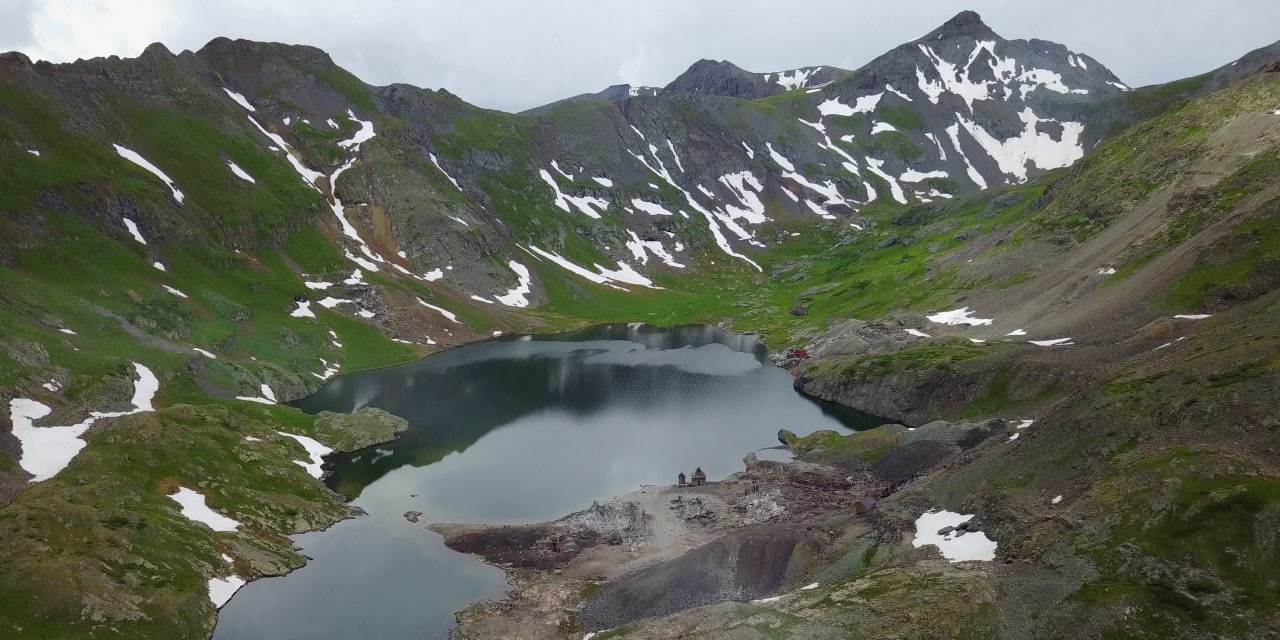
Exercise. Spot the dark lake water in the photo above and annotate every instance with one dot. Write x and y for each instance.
(515, 430)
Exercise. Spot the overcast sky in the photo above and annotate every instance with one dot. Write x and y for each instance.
(516, 54)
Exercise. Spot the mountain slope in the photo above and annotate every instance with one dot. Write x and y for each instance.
(609, 94)
(1097, 405)
(247, 220)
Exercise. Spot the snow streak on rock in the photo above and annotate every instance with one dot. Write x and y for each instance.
(642, 248)
(446, 173)
(581, 203)
(240, 100)
(133, 230)
(708, 215)
(624, 274)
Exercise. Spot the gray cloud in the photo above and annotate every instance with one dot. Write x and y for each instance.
(512, 55)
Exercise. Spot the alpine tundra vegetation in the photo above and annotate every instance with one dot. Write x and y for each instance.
(1056, 291)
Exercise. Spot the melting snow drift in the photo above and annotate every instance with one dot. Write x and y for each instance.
(194, 508)
(956, 546)
(958, 316)
(48, 450)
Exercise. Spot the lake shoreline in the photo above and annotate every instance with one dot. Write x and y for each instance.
(637, 372)
(549, 589)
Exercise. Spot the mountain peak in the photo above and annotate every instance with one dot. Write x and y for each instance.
(966, 24)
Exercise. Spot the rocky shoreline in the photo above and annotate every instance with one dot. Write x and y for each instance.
(666, 555)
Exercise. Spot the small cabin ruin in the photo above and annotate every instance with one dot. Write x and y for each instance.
(680, 482)
(699, 477)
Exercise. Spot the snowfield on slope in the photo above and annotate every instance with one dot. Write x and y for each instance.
(48, 450)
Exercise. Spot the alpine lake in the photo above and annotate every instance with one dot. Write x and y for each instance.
(518, 429)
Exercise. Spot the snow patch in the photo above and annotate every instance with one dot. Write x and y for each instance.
(48, 450)
(641, 249)
(308, 176)
(133, 230)
(240, 173)
(874, 166)
(795, 79)
(330, 370)
(136, 158)
(303, 310)
(953, 132)
(240, 100)
(917, 333)
(1030, 146)
(360, 137)
(449, 315)
(331, 302)
(446, 173)
(863, 104)
(195, 509)
(518, 297)
(651, 208)
(174, 291)
(314, 449)
(581, 203)
(1052, 343)
(1193, 316)
(955, 546)
(675, 155)
(623, 274)
(911, 175)
(221, 589)
(958, 316)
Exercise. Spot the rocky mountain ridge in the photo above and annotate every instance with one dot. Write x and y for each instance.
(626, 192)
